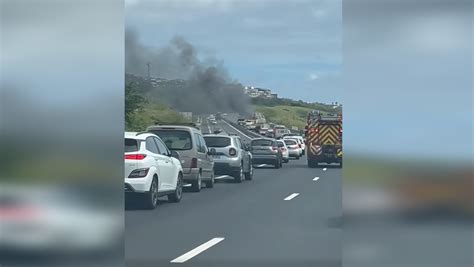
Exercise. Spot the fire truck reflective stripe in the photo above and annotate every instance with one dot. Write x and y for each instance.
(329, 134)
(329, 129)
(312, 138)
(328, 140)
(315, 149)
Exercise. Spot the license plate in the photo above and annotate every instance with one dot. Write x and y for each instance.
(216, 156)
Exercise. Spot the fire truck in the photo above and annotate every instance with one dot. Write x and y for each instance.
(323, 135)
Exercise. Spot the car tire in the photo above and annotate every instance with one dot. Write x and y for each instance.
(277, 164)
(210, 184)
(340, 164)
(249, 174)
(303, 153)
(178, 192)
(297, 157)
(281, 163)
(151, 197)
(238, 175)
(196, 185)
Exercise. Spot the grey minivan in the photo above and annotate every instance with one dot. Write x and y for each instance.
(198, 165)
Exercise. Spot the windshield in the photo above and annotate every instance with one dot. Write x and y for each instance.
(213, 141)
(175, 139)
(131, 145)
(262, 142)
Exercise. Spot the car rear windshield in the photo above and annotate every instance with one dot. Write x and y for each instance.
(290, 142)
(262, 142)
(213, 141)
(131, 145)
(175, 139)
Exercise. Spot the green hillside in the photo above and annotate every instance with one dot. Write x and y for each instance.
(150, 114)
(289, 112)
(286, 115)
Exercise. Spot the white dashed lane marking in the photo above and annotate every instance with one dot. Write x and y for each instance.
(290, 197)
(198, 250)
(316, 178)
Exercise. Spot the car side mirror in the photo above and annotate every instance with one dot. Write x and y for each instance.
(211, 151)
(174, 154)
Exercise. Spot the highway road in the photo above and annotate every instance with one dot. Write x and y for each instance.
(283, 217)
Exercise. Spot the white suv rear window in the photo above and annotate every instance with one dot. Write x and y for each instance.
(131, 145)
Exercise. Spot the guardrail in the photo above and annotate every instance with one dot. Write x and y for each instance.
(243, 129)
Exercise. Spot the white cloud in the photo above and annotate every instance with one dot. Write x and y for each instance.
(129, 3)
(318, 13)
(313, 76)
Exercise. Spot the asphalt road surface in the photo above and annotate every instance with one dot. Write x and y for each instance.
(283, 217)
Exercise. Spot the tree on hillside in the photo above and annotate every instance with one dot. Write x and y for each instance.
(133, 101)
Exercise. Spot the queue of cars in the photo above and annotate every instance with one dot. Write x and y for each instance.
(163, 159)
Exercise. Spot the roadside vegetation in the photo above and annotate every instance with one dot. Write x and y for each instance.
(286, 115)
(289, 112)
(146, 105)
(140, 113)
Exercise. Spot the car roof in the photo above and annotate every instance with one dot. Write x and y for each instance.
(217, 135)
(138, 135)
(263, 138)
(171, 127)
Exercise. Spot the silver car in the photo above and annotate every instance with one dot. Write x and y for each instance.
(231, 156)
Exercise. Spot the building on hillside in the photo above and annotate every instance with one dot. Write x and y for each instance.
(259, 92)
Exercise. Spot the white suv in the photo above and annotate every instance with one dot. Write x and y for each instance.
(151, 170)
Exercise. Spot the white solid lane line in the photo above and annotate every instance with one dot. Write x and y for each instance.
(316, 178)
(193, 253)
(220, 177)
(290, 197)
(237, 130)
(324, 169)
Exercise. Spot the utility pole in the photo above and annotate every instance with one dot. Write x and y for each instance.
(148, 64)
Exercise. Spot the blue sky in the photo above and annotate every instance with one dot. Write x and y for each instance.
(291, 47)
(406, 82)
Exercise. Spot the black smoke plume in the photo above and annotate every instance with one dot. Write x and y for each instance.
(207, 86)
